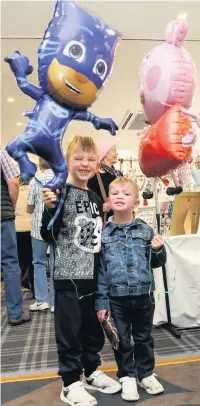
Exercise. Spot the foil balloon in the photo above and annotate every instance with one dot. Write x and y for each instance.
(166, 146)
(167, 74)
(167, 86)
(75, 58)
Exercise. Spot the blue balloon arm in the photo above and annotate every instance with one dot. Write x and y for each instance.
(98, 123)
(31, 90)
(84, 116)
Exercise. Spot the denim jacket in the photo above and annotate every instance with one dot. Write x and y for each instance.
(125, 267)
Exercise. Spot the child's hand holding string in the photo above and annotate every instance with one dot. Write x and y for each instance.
(157, 242)
(49, 197)
(101, 314)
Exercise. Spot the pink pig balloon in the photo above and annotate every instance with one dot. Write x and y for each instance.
(167, 74)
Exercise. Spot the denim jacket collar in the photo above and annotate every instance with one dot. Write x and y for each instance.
(110, 226)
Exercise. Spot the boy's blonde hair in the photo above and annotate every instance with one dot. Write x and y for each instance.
(83, 142)
(124, 180)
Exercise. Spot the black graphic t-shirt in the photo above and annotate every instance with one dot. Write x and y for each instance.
(77, 232)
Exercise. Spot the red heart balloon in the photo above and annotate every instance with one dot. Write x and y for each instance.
(161, 148)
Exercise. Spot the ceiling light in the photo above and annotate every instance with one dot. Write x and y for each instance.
(19, 123)
(10, 99)
(182, 16)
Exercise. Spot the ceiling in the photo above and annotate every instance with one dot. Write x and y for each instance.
(142, 25)
(134, 19)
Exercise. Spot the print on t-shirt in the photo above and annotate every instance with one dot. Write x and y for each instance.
(88, 234)
(79, 239)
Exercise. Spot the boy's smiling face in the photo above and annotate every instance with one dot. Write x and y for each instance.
(122, 198)
(82, 165)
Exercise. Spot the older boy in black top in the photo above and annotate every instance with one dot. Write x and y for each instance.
(77, 230)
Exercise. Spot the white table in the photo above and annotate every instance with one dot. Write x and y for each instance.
(183, 263)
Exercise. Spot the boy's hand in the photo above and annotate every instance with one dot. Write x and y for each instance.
(157, 242)
(101, 314)
(49, 197)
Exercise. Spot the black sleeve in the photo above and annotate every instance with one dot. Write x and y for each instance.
(52, 234)
(158, 257)
(93, 184)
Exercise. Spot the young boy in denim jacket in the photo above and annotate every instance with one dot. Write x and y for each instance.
(129, 249)
(77, 231)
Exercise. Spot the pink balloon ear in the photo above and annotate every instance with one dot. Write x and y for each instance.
(176, 32)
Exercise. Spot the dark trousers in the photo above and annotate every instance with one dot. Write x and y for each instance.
(79, 335)
(133, 315)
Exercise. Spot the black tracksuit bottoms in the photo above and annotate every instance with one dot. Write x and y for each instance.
(79, 335)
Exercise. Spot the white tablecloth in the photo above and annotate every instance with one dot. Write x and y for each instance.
(183, 265)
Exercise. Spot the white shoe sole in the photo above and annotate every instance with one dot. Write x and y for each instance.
(129, 398)
(107, 391)
(69, 402)
(39, 310)
(149, 391)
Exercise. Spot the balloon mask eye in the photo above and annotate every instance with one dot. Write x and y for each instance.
(75, 50)
(100, 68)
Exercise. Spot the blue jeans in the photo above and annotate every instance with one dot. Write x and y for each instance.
(133, 315)
(11, 270)
(39, 248)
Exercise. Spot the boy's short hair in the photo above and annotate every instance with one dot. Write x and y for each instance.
(124, 180)
(83, 142)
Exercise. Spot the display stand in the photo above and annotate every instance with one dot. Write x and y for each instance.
(168, 325)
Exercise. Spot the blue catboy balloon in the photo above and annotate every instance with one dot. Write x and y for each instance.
(75, 58)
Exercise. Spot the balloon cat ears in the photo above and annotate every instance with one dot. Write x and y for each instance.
(65, 9)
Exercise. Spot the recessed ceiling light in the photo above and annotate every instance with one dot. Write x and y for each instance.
(19, 123)
(182, 16)
(10, 99)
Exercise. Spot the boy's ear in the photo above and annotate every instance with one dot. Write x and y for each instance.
(136, 204)
(98, 166)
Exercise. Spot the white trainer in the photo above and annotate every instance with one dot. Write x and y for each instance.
(38, 306)
(151, 385)
(101, 382)
(129, 388)
(76, 395)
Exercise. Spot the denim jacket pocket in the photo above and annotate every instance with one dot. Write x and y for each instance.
(110, 245)
(142, 237)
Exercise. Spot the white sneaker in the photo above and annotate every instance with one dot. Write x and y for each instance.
(151, 385)
(129, 388)
(39, 306)
(76, 395)
(52, 309)
(101, 382)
